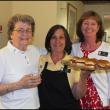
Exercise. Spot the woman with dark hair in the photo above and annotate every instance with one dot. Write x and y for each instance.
(61, 86)
(90, 32)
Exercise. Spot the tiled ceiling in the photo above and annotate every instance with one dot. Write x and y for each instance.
(95, 1)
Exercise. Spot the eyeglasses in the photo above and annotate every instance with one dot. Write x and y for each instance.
(21, 31)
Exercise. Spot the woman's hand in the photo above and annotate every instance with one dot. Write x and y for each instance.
(80, 88)
(30, 81)
(85, 73)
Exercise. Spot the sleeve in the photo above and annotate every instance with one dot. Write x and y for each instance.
(108, 74)
(75, 49)
(42, 51)
(73, 77)
(41, 64)
(72, 52)
(108, 71)
(2, 68)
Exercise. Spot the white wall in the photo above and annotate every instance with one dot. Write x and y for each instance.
(101, 9)
(62, 12)
(5, 11)
(44, 13)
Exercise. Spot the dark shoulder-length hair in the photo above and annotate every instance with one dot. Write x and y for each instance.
(95, 16)
(52, 30)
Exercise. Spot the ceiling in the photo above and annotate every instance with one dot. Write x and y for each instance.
(95, 1)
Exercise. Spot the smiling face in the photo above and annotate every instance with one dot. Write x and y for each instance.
(21, 35)
(57, 41)
(89, 28)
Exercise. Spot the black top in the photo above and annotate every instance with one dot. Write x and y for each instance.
(55, 91)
